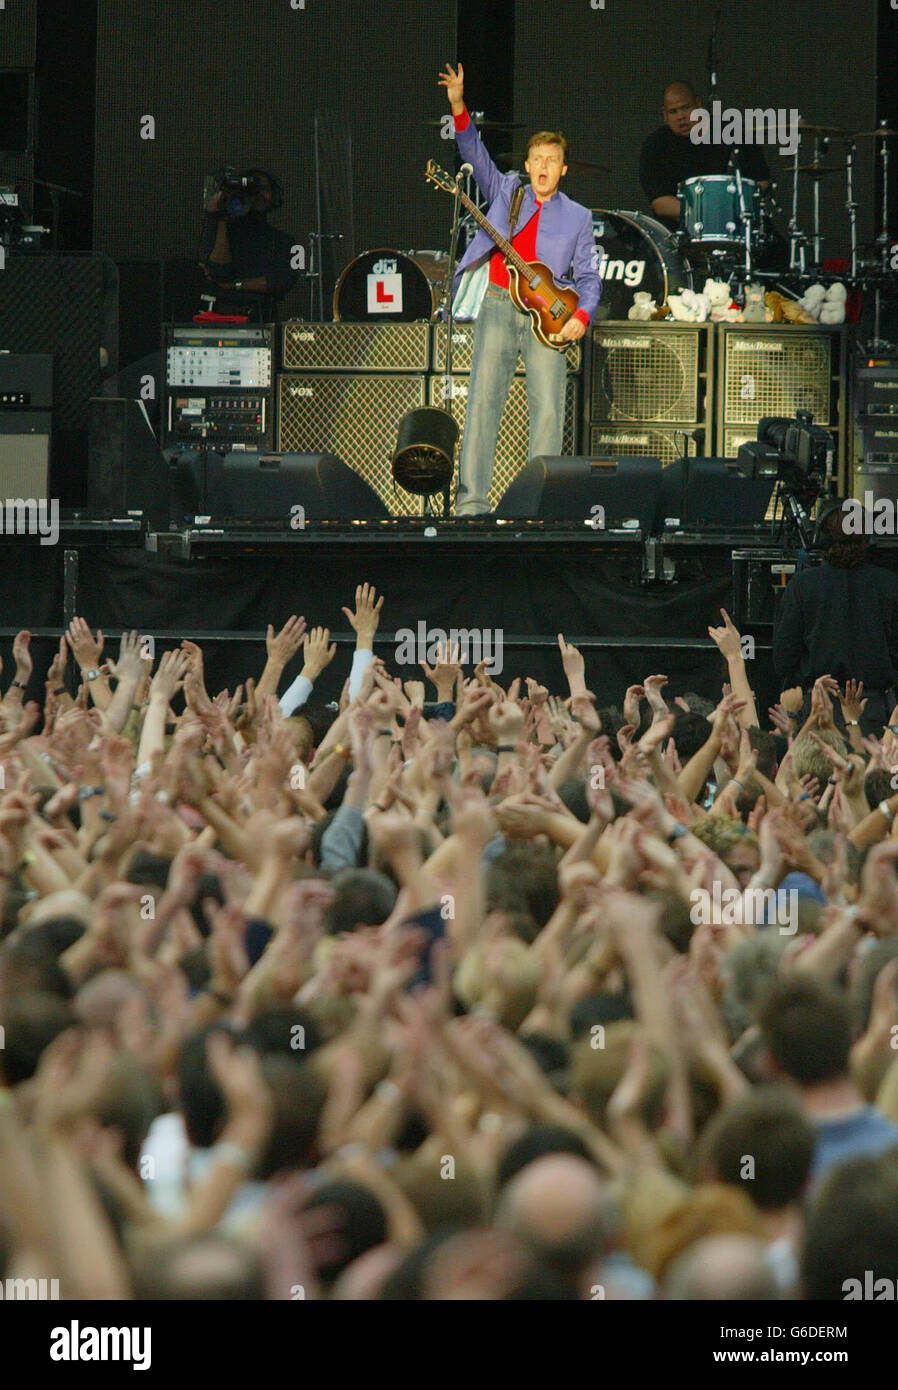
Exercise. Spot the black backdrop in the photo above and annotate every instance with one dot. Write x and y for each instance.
(605, 90)
(228, 81)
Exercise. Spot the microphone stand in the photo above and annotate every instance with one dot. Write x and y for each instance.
(447, 307)
(713, 54)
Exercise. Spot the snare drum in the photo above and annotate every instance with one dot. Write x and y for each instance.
(709, 211)
(382, 287)
(636, 253)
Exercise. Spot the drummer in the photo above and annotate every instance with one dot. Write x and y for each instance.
(669, 156)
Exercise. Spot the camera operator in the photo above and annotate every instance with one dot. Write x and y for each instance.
(247, 260)
(840, 618)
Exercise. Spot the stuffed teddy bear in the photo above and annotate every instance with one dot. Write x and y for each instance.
(643, 306)
(812, 299)
(832, 310)
(723, 310)
(689, 307)
(755, 310)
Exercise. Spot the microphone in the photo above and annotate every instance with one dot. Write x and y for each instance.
(465, 170)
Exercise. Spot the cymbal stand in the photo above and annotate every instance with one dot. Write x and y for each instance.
(745, 219)
(820, 145)
(796, 237)
(851, 206)
(882, 241)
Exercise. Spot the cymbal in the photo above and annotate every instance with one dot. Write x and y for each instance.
(480, 121)
(880, 133)
(814, 129)
(817, 169)
(576, 166)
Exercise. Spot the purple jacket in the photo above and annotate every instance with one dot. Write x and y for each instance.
(564, 237)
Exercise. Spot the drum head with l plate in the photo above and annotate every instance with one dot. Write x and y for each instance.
(384, 286)
(636, 253)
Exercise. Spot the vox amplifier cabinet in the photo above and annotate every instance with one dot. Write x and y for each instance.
(356, 347)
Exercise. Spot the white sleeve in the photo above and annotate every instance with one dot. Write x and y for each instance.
(294, 698)
(361, 660)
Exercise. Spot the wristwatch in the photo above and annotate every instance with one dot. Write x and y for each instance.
(91, 675)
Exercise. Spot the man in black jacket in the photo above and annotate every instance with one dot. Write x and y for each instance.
(248, 260)
(841, 619)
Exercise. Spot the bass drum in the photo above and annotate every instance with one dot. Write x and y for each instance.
(384, 287)
(636, 253)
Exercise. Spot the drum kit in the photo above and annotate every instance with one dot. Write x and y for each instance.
(729, 229)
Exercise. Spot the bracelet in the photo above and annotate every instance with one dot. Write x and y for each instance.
(884, 809)
(852, 723)
(505, 747)
(86, 793)
(20, 685)
(61, 691)
(677, 832)
(387, 1091)
(738, 783)
(384, 733)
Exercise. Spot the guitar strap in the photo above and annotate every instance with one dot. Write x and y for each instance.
(514, 210)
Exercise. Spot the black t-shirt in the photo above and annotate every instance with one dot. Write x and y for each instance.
(667, 159)
(256, 249)
(838, 622)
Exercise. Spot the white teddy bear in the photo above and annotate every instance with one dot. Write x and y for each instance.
(717, 293)
(812, 299)
(689, 307)
(832, 310)
(643, 306)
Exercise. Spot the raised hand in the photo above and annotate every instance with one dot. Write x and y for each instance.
(21, 650)
(453, 80)
(86, 649)
(130, 662)
(445, 671)
(728, 638)
(169, 677)
(851, 700)
(282, 646)
(574, 666)
(318, 652)
(365, 620)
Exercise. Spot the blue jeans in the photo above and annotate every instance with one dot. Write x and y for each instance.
(500, 333)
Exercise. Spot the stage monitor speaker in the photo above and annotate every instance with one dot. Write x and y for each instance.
(274, 487)
(712, 491)
(25, 454)
(628, 491)
(126, 471)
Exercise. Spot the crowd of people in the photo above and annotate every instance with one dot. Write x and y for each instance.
(459, 991)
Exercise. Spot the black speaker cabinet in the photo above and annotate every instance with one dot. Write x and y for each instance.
(126, 471)
(627, 490)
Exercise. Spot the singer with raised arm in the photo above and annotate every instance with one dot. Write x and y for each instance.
(548, 227)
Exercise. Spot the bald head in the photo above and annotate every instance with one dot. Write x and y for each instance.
(556, 1206)
(721, 1268)
(678, 103)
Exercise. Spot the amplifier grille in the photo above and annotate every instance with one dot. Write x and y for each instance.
(776, 373)
(645, 372)
(357, 347)
(355, 417)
